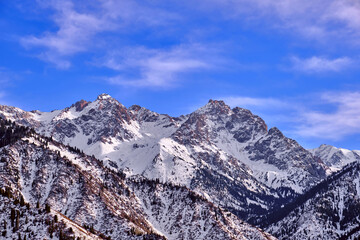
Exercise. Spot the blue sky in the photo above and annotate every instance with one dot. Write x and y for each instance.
(295, 63)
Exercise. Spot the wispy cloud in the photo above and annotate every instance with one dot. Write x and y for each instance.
(74, 33)
(320, 64)
(348, 13)
(79, 24)
(154, 67)
(324, 20)
(335, 125)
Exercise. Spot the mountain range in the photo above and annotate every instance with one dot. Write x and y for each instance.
(111, 172)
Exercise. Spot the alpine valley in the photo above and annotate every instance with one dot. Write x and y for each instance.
(99, 170)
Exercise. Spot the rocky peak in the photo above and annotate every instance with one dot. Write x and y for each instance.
(135, 108)
(214, 107)
(215, 118)
(247, 117)
(107, 106)
(143, 114)
(216, 102)
(326, 147)
(80, 105)
(274, 131)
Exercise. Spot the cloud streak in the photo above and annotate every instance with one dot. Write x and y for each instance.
(320, 64)
(343, 121)
(153, 67)
(79, 24)
(74, 33)
(323, 20)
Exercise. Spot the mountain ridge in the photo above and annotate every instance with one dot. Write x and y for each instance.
(225, 156)
(80, 188)
(215, 144)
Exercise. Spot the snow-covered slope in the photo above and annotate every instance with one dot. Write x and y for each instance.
(180, 213)
(74, 185)
(227, 155)
(79, 188)
(330, 211)
(25, 221)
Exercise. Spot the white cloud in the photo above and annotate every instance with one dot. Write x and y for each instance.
(74, 33)
(146, 13)
(79, 23)
(347, 12)
(155, 68)
(320, 64)
(324, 20)
(335, 125)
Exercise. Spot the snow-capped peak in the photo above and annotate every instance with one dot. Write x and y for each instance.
(335, 158)
(104, 96)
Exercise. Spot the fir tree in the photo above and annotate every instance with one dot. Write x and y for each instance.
(12, 216)
(22, 201)
(17, 221)
(47, 208)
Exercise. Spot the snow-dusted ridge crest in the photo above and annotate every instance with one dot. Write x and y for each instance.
(81, 190)
(335, 158)
(229, 156)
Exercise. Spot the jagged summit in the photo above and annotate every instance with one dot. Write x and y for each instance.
(135, 107)
(324, 145)
(216, 102)
(214, 107)
(276, 132)
(104, 96)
